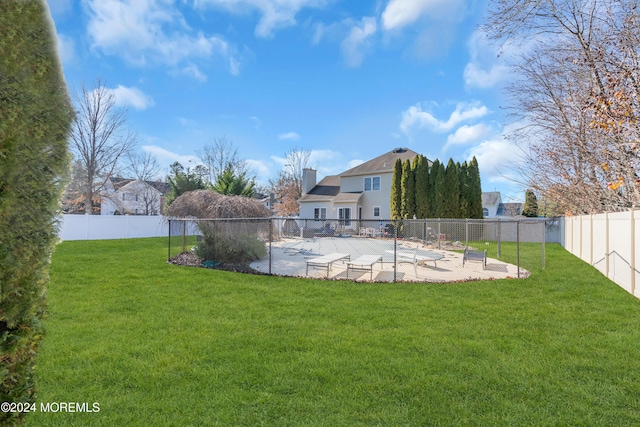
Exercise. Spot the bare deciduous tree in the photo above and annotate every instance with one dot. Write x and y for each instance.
(146, 170)
(222, 155)
(577, 93)
(287, 187)
(99, 138)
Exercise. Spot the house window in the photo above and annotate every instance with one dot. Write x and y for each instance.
(485, 212)
(344, 215)
(320, 213)
(372, 183)
(376, 211)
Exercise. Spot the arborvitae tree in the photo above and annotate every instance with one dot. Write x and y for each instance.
(440, 193)
(396, 191)
(475, 190)
(181, 180)
(452, 207)
(229, 183)
(433, 178)
(423, 189)
(408, 186)
(35, 120)
(463, 183)
(530, 205)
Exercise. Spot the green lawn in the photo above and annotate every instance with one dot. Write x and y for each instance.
(156, 344)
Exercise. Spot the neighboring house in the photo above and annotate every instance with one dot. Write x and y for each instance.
(491, 201)
(363, 192)
(492, 206)
(510, 209)
(133, 197)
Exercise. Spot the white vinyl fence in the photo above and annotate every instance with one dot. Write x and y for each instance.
(608, 241)
(102, 227)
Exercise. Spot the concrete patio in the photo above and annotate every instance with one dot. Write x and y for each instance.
(290, 256)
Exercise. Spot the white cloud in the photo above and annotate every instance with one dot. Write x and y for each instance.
(263, 170)
(401, 13)
(149, 32)
(166, 157)
(467, 134)
(289, 136)
(194, 72)
(358, 40)
(415, 118)
(275, 14)
(280, 161)
(484, 69)
(497, 159)
(131, 96)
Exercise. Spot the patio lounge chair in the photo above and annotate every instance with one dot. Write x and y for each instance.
(325, 261)
(415, 258)
(364, 262)
(475, 256)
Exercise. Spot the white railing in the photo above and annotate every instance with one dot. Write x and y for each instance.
(608, 242)
(101, 227)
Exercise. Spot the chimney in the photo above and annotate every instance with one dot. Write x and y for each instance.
(308, 180)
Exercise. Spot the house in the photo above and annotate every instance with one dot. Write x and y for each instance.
(491, 201)
(363, 192)
(133, 197)
(492, 206)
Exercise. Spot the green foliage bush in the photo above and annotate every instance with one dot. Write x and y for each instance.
(231, 249)
(35, 119)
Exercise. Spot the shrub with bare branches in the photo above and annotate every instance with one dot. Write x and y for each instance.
(225, 241)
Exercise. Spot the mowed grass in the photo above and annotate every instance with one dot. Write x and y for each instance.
(157, 344)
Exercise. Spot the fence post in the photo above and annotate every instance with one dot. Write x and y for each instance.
(466, 232)
(439, 233)
(544, 241)
(270, 239)
(169, 251)
(580, 239)
(518, 245)
(573, 235)
(184, 236)
(499, 233)
(591, 239)
(606, 244)
(632, 263)
(395, 250)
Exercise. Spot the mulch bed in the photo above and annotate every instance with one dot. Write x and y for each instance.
(189, 259)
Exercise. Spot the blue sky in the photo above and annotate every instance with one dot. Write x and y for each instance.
(348, 80)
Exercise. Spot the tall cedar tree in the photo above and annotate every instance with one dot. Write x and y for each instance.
(396, 191)
(408, 186)
(423, 189)
(35, 120)
(440, 193)
(463, 181)
(530, 205)
(452, 207)
(475, 190)
(433, 178)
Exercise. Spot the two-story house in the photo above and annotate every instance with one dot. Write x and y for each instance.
(362, 192)
(133, 197)
(492, 206)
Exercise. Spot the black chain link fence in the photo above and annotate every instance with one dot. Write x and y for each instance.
(437, 250)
